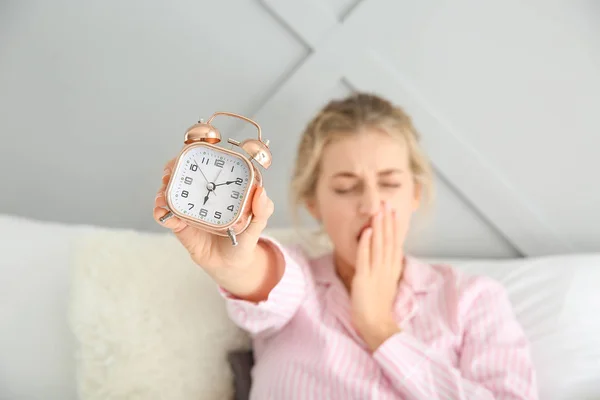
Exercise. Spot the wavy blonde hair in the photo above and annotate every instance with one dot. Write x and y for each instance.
(351, 115)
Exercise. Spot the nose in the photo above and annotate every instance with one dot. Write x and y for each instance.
(369, 202)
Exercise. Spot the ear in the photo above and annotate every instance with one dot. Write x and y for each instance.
(313, 209)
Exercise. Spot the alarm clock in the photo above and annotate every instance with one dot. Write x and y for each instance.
(212, 187)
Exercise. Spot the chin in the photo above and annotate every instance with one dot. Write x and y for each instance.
(346, 251)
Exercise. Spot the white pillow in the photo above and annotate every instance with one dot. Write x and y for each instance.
(36, 359)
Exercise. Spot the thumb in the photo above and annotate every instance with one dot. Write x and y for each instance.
(262, 209)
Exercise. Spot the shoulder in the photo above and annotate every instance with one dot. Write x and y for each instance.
(450, 276)
(479, 305)
(469, 291)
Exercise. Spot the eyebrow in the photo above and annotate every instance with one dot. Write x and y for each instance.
(385, 172)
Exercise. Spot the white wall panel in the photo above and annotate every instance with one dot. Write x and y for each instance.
(503, 94)
(84, 84)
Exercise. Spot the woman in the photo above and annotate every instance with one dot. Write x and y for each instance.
(366, 321)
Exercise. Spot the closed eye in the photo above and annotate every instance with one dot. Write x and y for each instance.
(343, 191)
(386, 185)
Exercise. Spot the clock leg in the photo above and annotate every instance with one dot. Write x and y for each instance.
(231, 235)
(166, 217)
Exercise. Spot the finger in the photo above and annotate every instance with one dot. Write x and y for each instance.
(398, 255)
(262, 209)
(170, 164)
(160, 200)
(168, 170)
(377, 242)
(166, 177)
(363, 256)
(389, 244)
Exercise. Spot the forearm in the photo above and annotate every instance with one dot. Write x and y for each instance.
(255, 282)
(417, 372)
(268, 296)
(376, 334)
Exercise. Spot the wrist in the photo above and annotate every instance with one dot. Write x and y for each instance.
(255, 280)
(376, 334)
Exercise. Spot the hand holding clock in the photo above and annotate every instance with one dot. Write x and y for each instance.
(247, 270)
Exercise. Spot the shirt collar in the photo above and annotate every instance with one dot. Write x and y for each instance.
(418, 275)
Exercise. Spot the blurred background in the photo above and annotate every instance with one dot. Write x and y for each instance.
(95, 97)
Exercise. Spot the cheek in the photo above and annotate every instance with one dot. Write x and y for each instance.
(405, 210)
(336, 214)
(404, 217)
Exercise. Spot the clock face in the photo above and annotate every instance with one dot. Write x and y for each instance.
(210, 185)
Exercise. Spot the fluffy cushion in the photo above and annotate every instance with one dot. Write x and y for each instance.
(149, 323)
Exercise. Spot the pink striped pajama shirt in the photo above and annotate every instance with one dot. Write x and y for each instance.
(459, 338)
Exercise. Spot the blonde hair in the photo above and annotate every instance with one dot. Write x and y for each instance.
(347, 116)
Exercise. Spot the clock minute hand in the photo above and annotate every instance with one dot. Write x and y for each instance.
(200, 169)
(225, 183)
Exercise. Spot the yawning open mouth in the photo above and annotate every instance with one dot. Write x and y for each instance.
(367, 225)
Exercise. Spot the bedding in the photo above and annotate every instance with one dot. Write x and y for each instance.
(96, 311)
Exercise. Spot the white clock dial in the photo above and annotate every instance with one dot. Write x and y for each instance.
(210, 185)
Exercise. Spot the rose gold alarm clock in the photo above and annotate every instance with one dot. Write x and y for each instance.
(211, 187)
